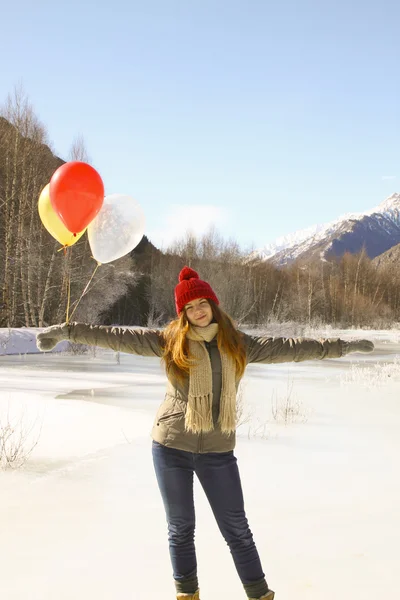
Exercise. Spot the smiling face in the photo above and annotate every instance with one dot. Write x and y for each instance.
(199, 312)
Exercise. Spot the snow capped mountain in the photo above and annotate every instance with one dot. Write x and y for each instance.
(377, 230)
(391, 205)
(287, 241)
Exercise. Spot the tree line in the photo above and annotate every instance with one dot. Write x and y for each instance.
(352, 291)
(39, 282)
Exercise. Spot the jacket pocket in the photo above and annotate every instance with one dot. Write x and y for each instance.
(169, 416)
(169, 411)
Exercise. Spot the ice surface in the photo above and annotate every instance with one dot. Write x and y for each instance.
(83, 519)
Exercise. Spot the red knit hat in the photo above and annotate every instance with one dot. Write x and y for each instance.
(190, 287)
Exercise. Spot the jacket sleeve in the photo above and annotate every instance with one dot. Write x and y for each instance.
(279, 350)
(144, 342)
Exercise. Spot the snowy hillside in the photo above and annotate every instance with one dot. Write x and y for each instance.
(378, 229)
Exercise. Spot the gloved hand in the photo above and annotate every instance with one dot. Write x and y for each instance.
(48, 338)
(357, 346)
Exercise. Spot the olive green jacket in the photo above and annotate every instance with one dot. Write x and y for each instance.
(169, 424)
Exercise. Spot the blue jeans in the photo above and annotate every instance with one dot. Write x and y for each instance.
(218, 474)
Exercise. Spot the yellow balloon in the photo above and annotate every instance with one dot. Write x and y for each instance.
(52, 221)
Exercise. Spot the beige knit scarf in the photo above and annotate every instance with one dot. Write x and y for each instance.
(199, 417)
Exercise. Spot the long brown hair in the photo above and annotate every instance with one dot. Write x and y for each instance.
(176, 349)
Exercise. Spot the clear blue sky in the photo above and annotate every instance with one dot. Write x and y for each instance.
(265, 117)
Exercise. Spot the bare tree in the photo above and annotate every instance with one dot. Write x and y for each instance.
(26, 165)
(78, 150)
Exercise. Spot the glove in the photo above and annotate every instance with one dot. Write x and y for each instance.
(48, 338)
(357, 346)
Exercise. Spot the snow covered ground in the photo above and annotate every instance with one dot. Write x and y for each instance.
(83, 519)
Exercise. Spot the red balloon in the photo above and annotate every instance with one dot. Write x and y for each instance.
(76, 194)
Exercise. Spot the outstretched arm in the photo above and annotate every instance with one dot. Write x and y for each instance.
(145, 342)
(278, 350)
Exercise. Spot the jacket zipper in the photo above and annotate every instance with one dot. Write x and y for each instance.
(201, 437)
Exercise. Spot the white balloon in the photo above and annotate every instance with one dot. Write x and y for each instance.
(117, 229)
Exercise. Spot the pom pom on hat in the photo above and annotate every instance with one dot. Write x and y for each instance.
(188, 273)
(191, 287)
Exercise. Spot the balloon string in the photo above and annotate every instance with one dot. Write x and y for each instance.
(69, 297)
(85, 290)
(68, 271)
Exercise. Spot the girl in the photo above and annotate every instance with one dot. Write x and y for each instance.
(194, 431)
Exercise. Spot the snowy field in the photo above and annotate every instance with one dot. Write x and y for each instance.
(318, 451)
